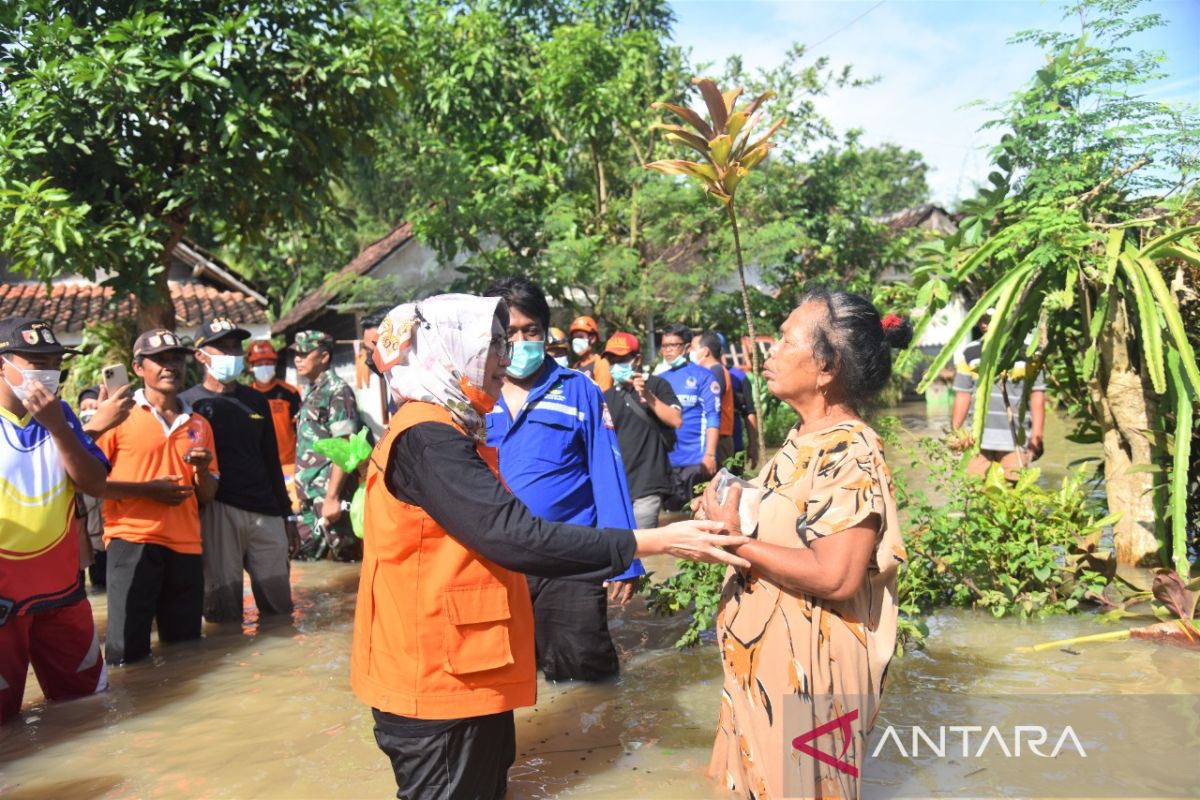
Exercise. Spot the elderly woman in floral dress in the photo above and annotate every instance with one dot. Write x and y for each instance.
(807, 632)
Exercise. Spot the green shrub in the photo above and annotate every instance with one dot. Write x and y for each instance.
(1011, 549)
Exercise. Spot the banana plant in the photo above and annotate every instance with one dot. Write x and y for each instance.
(728, 151)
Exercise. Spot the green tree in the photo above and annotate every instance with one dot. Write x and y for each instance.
(1075, 244)
(519, 146)
(125, 123)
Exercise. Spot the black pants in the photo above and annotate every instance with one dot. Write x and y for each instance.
(570, 629)
(683, 486)
(148, 583)
(465, 759)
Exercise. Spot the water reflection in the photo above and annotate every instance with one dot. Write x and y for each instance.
(265, 710)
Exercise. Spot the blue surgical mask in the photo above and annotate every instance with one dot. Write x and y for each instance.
(526, 358)
(225, 368)
(622, 373)
(678, 362)
(692, 357)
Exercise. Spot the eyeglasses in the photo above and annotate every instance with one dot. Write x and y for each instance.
(501, 347)
(672, 345)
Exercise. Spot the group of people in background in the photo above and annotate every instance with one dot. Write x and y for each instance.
(210, 482)
(167, 495)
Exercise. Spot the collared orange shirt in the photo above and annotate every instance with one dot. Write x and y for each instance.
(143, 448)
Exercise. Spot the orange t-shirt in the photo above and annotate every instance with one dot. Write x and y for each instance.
(141, 449)
(284, 400)
(727, 405)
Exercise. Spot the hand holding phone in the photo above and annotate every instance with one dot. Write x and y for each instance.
(114, 376)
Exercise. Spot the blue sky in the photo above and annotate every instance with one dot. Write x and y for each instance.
(933, 58)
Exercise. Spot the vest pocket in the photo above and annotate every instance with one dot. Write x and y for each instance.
(477, 620)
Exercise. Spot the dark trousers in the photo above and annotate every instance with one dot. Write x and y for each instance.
(570, 629)
(466, 759)
(683, 486)
(150, 583)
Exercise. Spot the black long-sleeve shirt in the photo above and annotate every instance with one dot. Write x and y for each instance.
(251, 478)
(436, 467)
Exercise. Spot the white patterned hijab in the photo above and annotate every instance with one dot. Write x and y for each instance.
(436, 351)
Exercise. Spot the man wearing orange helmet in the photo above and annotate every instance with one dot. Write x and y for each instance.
(557, 347)
(283, 398)
(585, 334)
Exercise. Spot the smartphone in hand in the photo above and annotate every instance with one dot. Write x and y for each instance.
(114, 376)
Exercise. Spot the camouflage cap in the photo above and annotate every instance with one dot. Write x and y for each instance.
(307, 341)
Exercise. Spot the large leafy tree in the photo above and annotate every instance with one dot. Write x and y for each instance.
(1076, 244)
(123, 124)
(521, 140)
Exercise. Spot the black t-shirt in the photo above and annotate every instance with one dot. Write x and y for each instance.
(747, 396)
(247, 455)
(644, 440)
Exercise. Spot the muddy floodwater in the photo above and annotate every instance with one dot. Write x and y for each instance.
(266, 710)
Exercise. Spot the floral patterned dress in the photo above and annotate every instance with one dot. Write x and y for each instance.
(795, 663)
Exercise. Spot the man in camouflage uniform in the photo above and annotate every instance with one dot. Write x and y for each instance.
(329, 411)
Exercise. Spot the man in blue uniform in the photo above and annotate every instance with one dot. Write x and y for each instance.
(694, 457)
(559, 455)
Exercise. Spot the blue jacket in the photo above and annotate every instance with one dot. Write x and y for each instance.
(560, 454)
(700, 398)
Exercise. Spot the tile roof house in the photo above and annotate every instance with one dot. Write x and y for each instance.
(398, 258)
(201, 288)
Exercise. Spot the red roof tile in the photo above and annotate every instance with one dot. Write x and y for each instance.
(69, 307)
(363, 263)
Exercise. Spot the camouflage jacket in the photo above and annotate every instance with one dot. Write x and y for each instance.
(329, 411)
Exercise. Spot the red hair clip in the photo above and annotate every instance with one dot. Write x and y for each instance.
(891, 322)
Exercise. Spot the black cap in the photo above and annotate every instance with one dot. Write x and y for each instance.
(159, 340)
(29, 335)
(218, 328)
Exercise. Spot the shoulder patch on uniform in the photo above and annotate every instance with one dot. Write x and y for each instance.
(715, 388)
(608, 423)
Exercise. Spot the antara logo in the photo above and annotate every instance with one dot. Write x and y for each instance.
(842, 723)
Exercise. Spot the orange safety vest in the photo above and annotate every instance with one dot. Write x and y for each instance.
(440, 632)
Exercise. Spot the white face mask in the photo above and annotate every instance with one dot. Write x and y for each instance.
(49, 378)
(580, 346)
(225, 368)
(264, 373)
(562, 362)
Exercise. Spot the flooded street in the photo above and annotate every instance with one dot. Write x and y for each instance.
(267, 711)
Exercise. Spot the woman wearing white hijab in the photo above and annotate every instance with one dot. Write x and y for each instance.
(443, 630)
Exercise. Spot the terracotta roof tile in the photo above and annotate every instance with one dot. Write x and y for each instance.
(69, 307)
(363, 263)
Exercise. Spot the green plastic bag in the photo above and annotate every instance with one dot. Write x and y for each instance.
(346, 453)
(358, 507)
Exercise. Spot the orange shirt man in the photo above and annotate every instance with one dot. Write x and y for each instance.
(163, 467)
(283, 398)
(585, 339)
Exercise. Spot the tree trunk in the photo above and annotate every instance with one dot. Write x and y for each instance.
(156, 309)
(1126, 403)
